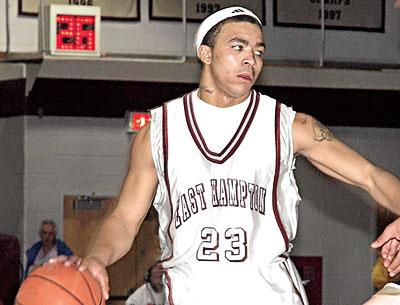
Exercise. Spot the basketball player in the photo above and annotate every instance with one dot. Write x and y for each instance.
(218, 163)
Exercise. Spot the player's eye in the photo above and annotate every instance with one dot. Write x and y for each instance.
(259, 53)
(237, 47)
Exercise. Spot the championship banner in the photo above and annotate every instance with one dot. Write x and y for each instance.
(115, 9)
(196, 11)
(358, 15)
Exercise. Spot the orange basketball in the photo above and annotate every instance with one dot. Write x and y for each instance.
(57, 284)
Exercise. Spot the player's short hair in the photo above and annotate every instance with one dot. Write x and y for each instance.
(211, 26)
(211, 36)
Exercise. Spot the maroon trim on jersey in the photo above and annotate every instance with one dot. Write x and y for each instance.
(284, 256)
(231, 140)
(166, 177)
(236, 139)
(169, 285)
(277, 174)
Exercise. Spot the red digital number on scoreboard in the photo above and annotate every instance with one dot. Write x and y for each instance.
(76, 33)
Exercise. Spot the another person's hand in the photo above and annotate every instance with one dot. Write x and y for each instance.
(389, 240)
(93, 265)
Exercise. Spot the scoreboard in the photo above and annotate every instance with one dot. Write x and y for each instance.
(70, 30)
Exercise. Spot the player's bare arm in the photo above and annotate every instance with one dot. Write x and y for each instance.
(132, 206)
(117, 233)
(314, 141)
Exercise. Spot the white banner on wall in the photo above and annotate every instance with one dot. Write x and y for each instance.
(115, 9)
(363, 15)
(197, 10)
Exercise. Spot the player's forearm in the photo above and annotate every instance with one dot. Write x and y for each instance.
(385, 189)
(112, 242)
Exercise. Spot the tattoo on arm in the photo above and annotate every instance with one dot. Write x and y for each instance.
(321, 133)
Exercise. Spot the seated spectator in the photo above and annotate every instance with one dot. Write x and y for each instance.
(151, 292)
(48, 246)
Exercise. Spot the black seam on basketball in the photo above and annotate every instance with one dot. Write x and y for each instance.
(90, 288)
(57, 284)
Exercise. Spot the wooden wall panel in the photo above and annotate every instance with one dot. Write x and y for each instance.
(80, 225)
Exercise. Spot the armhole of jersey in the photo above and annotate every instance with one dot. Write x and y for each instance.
(291, 115)
(156, 151)
(277, 174)
(288, 116)
(165, 143)
(166, 176)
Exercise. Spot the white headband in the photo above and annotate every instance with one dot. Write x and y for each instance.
(216, 17)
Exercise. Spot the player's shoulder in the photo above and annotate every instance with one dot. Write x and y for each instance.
(264, 98)
(172, 109)
(286, 110)
(170, 104)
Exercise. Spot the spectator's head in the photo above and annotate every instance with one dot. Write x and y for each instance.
(47, 233)
(154, 277)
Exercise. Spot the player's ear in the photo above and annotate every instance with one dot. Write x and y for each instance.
(204, 54)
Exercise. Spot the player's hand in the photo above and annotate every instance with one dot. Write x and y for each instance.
(67, 260)
(389, 240)
(99, 271)
(93, 265)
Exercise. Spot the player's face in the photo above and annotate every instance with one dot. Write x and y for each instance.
(237, 58)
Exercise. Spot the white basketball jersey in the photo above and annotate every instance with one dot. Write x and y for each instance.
(227, 214)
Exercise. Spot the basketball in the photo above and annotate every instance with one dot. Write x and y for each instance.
(57, 284)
